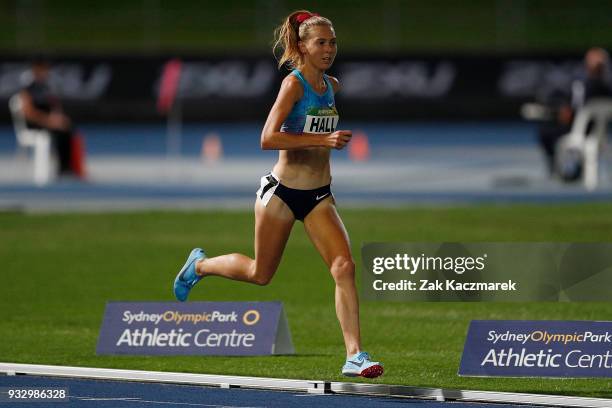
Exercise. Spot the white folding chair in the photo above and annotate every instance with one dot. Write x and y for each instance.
(37, 139)
(597, 111)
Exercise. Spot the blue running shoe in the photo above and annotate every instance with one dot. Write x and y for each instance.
(187, 276)
(360, 365)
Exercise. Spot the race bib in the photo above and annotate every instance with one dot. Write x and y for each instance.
(321, 121)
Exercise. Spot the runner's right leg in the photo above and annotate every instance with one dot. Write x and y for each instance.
(273, 225)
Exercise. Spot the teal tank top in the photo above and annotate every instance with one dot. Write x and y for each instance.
(313, 113)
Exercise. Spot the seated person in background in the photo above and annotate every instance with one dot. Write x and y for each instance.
(595, 84)
(43, 110)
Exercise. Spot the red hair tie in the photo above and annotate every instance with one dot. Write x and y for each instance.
(300, 18)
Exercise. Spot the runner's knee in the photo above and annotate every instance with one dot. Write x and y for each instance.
(261, 276)
(261, 280)
(343, 269)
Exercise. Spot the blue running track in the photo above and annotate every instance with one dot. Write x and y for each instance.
(116, 394)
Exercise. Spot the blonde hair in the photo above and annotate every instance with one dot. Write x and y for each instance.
(290, 32)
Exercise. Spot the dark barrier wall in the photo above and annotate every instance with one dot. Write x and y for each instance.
(373, 87)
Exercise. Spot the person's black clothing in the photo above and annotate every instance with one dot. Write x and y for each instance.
(596, 88)
(548, 135)
(41, 96)
(550, 132)
(43, 100)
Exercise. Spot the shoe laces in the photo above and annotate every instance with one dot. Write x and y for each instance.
(361, 356)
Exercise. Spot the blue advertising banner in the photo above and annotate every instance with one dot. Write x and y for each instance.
(531, 348)
(195, 328)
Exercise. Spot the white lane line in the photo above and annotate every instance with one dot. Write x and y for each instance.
(134, 399)
(105, 399)
(195, 404)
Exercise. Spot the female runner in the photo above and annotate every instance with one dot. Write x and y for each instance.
(302, 127)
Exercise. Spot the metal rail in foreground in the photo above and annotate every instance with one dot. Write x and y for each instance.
(310, 386)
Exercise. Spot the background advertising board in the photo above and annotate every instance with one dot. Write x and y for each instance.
(518, 348)
(195, 328)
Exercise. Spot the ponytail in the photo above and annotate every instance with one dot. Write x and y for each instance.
(296, 27)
